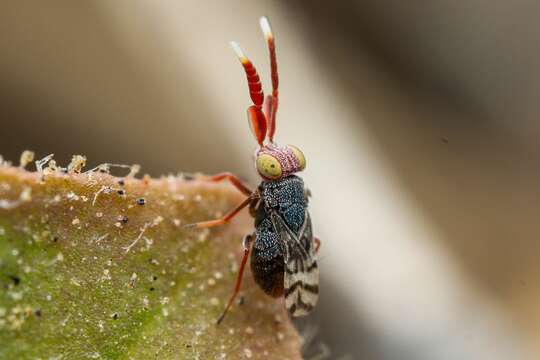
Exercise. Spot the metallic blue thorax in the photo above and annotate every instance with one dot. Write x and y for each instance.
(287, 197)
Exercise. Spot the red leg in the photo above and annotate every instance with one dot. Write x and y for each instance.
(224, 219)
(247, 246)
(317, 244)
(233, 179)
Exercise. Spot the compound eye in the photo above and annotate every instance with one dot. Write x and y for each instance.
(268, 166)
(299, 156)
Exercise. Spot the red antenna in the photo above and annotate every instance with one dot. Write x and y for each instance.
(271, 103)
(257, 120)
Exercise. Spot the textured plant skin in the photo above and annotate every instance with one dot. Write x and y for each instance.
(87, 272)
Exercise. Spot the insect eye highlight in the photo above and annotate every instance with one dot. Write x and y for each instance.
(299, 156)
(268, 166)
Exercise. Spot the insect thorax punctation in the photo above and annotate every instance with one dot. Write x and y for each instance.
(287, 197)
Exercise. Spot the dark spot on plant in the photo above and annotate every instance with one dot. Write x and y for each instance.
(152, 288)
(37, 312)
(141, 201)
(122, 218)
(121, 182)
(16, 280)
(121, 192)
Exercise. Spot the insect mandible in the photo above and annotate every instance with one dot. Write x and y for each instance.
(283, 248)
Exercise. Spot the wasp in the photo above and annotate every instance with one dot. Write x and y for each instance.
(283, 249)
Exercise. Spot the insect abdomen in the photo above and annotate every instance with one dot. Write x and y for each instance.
(267, 264)
(268, 274)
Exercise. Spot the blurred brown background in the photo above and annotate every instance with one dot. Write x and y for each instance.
(418, 120)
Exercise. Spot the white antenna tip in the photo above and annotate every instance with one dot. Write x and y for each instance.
(265, 26)
(238, 50)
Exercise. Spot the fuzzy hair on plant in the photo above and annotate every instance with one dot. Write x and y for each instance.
(100, 266)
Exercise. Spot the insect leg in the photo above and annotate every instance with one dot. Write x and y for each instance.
(224, 219)
(254, 204)
(233, 179)
(317, 244)
(246, 242)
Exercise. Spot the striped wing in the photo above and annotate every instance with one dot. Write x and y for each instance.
(301, 282)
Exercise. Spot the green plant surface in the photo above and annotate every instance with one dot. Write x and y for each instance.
(89, 272)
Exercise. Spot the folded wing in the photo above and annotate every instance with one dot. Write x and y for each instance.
(301, 277)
